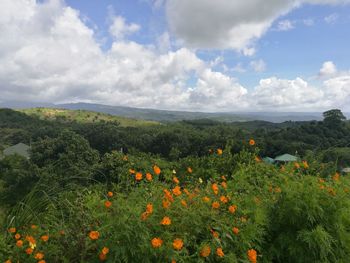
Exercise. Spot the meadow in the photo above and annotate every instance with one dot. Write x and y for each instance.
(71, 202)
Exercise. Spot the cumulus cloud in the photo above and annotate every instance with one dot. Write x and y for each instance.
(48, 54)
(328, 68)
(119, 28)
(227, 24)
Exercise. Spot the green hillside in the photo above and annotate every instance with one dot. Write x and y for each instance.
(83, 116)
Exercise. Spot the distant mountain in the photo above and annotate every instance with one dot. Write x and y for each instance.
(166, 115)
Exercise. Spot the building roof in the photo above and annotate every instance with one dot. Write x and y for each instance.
(20, 149)
(268, 160)
(286, 158)
(346, 170)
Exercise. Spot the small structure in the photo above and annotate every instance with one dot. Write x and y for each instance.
(268, 160)
(20, 149)
(286, 158)
(346, 170)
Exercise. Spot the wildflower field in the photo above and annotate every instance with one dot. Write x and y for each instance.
(217, 208)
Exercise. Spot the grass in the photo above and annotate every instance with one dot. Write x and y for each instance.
(83, 116)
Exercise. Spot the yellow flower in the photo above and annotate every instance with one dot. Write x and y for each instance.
(219, 252)
(305, 164)
(166, 221)
(219, 151)
(178, 244)
(205, 252)
(156, 242)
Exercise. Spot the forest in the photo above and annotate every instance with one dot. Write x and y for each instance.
(102, 188)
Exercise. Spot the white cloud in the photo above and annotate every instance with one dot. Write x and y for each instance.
(119, 28)
(332, 18)
(328, 68)
(258, 65)
(48, 54)
(285, 25)
(227, 24)
(308, 22)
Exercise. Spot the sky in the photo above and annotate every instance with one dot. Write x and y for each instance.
(197, 55)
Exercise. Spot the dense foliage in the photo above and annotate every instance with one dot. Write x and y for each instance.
(193, 191)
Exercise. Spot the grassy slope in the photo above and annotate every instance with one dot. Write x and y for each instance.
(83, 116)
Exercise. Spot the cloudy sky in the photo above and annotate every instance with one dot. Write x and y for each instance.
(204, 55)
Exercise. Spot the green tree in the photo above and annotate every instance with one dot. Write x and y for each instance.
(333, 117)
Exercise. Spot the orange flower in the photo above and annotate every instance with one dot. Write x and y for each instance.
(223, 199)
(125, 158)
(39, 255)
(156, 170)
(232, 209)
(215, 205)
(296, 165)
(252, 255)
(45, 238)
(219, 252)
(148, 177)
(138, 176)
(110, 194)
(178, 244)
(336, 177)
(175, 180)
(177, 191)
(144, 216)
(12, 230)
(235, 230)
(8, 261)
(149, 208)
(17, 236)
(214, 233)
(206, 199)
(189, 169)
(29, 251)
(31, 239)
(219, 151)
(105, 250)
(187, 192)
(19, 243)
(94, 235)
(166, 203)
(305, 164)
(321, 180)
(205, 252)
(166, 221)
(173, 261)
(183, 203)
(278, 189)
(102, 257)
(168, 195)
(108, 204)
(215, 188)
(132, 171)
(223, 177)
(33, 227)
(156, 242)
(251, 142)
(224, 184)
(42, 261)
(258, 159)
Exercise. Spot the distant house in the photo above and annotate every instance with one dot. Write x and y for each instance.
(268, 160)
(286, 158)
(20, 149)
(346, 170)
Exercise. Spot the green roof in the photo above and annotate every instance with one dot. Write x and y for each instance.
(268, 160)
(286, 158)
(20, 149)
